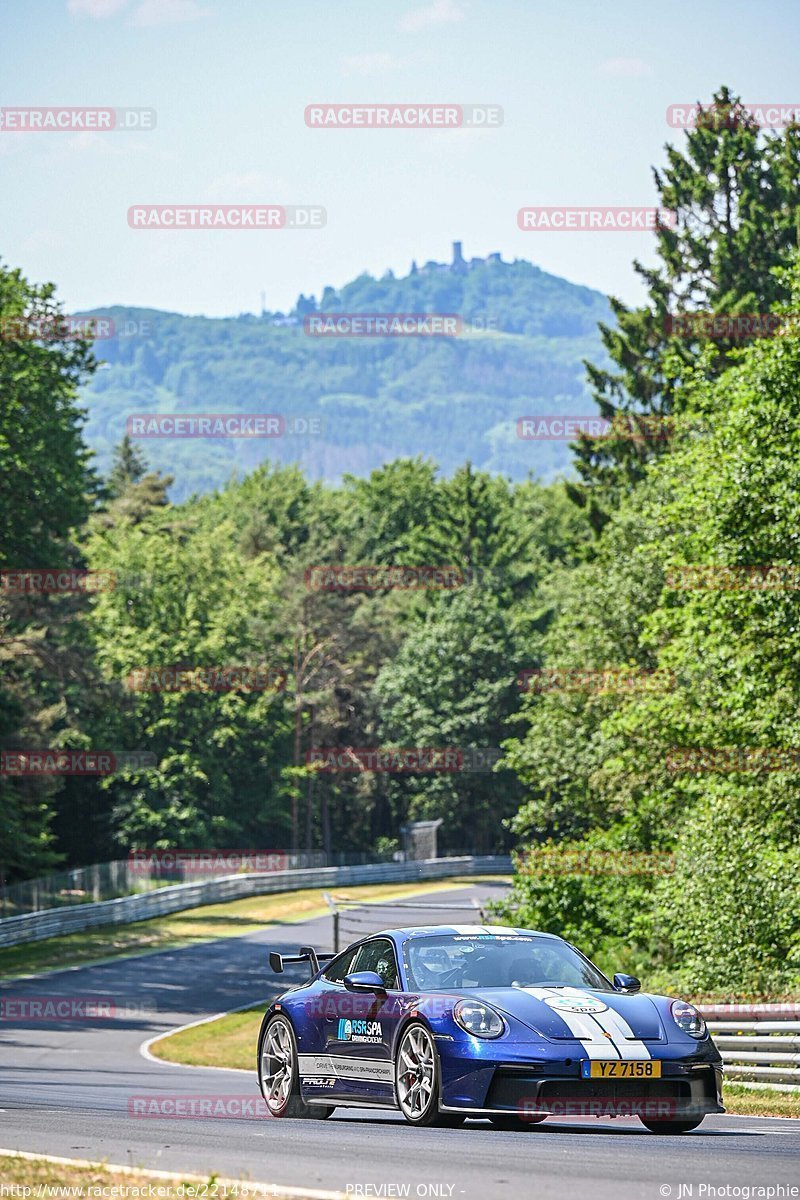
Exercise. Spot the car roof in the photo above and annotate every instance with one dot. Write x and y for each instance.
(416, 931)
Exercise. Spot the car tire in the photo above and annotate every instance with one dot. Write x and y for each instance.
(417, 1076)
(278, 1073)
(672, 1126)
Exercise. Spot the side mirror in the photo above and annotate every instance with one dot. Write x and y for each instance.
(627, 983)
(365, 982)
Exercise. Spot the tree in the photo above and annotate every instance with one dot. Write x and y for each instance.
(128, 467)
(185, 600)
(46, 483)
(46, 490)
(734, 194)
(704, 764)
(453, 685)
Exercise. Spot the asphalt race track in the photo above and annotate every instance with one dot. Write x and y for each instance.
(65, 1090)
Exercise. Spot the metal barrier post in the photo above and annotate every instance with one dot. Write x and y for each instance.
(332, 905)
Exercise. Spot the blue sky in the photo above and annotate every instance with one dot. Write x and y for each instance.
(584, 88)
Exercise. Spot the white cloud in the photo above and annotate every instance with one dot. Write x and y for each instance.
(624, 68)
(167, 12)
(97, 9)
(369, 64)
(440, 12)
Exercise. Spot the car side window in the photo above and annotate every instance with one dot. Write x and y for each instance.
(336, 970)
(378, 955)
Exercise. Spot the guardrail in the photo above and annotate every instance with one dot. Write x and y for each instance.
(144, 870)
(759, 1043)
(35, 927)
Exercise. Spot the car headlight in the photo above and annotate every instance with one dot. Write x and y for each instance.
(687, 1018)
(478, 1019)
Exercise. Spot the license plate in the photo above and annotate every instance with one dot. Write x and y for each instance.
(639, 1068)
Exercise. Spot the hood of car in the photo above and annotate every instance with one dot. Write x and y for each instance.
(568, 1013)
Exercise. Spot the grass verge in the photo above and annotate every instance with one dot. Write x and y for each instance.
(232, 919)
(766, 1102)
(107, 1181)
(230, 1041)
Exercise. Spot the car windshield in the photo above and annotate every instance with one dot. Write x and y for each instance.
(488, 960)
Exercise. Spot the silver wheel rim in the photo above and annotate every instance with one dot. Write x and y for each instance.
(277, 1066)
(415, 1072)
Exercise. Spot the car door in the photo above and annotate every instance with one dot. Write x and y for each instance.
(325, 1001)
(362, 1037)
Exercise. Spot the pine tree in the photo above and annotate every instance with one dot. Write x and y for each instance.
(128, 467)
(734, 193)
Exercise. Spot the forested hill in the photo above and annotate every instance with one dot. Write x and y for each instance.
(519, 352)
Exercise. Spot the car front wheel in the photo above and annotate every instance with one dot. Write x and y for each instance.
(416, 1076)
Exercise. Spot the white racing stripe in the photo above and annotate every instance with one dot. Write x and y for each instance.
(628, 1046)
(589, 1028)
(580, 1025)
(586, 1031)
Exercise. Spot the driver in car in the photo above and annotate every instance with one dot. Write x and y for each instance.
(385, 968)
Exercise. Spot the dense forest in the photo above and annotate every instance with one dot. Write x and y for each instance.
(655, 738)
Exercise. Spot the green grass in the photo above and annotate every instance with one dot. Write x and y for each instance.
(230, 1041)
(232, 919)
(766, 1102)
(38, 1173)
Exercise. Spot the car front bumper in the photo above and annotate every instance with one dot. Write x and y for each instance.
(522, 1085)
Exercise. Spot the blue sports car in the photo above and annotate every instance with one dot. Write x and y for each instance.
(450, 1022)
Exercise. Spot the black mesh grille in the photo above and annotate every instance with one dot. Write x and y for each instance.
(616, 1089)
(518, 1091)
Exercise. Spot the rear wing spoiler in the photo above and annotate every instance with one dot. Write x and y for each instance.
(305, 954)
